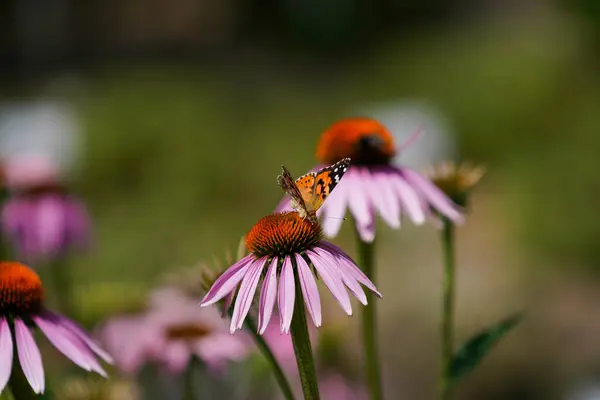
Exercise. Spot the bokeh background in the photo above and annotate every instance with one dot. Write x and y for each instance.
(171, 120)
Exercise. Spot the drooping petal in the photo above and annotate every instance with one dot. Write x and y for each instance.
(377, 193)
(366, 232)
(349, 266)
(287, 294)
(80, 333)
(176, 356)
(334, 209)
(246, 293)
(284, 205)
(409, 199)
(6, 353)
(332, 280)
(358, 199)
(268, 294)
(389, 205)
(69, 344)
(227, 301)
(347, 278)
(52, 229)
(434, 195)
(29, 357)
(227, 281)
(310, 292)
(218, 348)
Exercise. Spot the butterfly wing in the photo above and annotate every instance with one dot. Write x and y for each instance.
(316, 186)
(286, 182)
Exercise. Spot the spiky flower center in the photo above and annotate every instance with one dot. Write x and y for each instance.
(364, 140)
(187, 331)
(279, 234)
(21, 291)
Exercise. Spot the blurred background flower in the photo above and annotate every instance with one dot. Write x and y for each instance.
(41, 220)
(372, 186)
(172, 331)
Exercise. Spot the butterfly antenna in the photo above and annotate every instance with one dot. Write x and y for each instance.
(342, 218)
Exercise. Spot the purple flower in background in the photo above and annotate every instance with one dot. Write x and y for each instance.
(21, 309)
(169, 333)
(40, 219)
(334, 386)
(372, 185)
(285, 248)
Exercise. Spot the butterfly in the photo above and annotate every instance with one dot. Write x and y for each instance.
(308, 192)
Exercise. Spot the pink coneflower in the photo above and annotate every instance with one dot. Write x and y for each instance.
(170, 333)
(40, 219)
(373, 185)
(284, 248)
(21, 309)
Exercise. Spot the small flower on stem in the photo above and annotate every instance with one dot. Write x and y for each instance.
(170, 333)
(40, 218)
(282, 247)
(21, 310)
(373, 185)
(456, 180)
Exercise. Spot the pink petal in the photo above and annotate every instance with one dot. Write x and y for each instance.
(390, 205)
(29, 357)
(409, 199)
(349, 266)
(434, 196)
(227, 303)
(227, 281)
(287, 294)
(217, 348)
(376, 193)
(366, 232)
(310, 292)
(334, 209)
(79, 332)
(332, 280)
(347, 278)
(284, 205)
(246, 294)
(267, 296)
(358, 198)
(68, 344)
(6, 353)
(176, 355)
(50, 216)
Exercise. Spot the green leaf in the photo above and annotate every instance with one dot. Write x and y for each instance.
(476, 348)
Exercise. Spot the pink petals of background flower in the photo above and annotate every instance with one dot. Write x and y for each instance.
(170, 333)
(372, 185)
(40, 218)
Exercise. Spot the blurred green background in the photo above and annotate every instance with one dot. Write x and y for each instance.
(187, 109)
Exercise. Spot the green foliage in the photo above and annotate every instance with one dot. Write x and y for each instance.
(476, 348)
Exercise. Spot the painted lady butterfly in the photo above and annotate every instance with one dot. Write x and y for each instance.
(308, 192)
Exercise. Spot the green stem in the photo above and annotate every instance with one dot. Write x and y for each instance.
(447, 351)
(302, 347)
(188, 381)
(366, 253)
(268, 354)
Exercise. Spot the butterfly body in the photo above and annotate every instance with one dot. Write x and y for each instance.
(308, 192)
